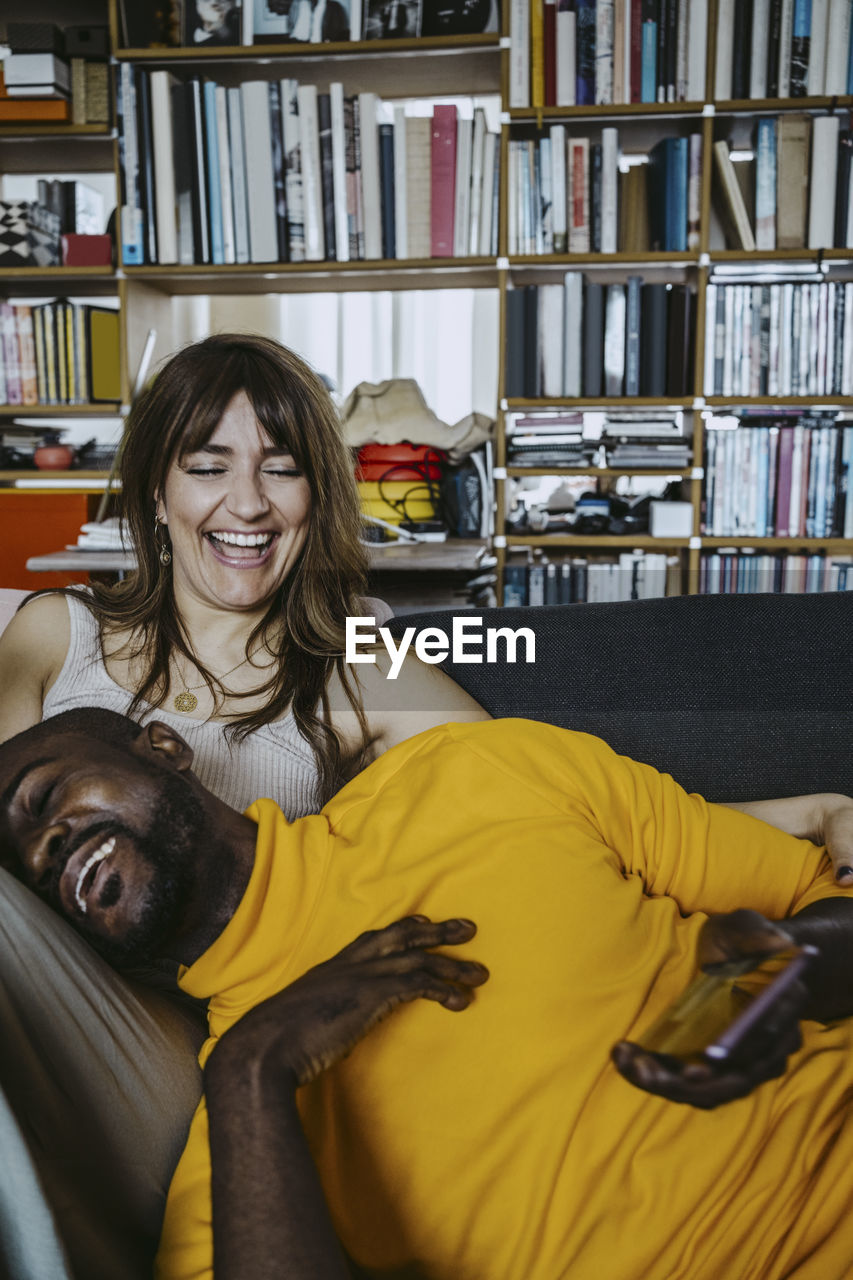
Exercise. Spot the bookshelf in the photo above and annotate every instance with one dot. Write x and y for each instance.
(432, 67)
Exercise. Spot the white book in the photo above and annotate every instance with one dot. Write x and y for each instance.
(544, 224)
(710, 339)
(512, 197)
(132, 231)
(478, 187)
(257, 147)
(758, 54)
(604, 51)
(559, 202)
(462, 187)
(824, 165)
(200, 183)
(725, 50)
(312, 188)
(847, 348)
(815, 86)
(355, 19)
(572, 332)
(729, 350)
(164, 166)
(247, 24)
(837, 44)
(292, 142)
(491, 143)
(786, 29)
(229, 249)
(550, 336)
(339, 174)
(371, 197)
(615, 319)
(238, 175)
(519, 54)
(828, 371)
(566, 70)
(794, 530)
(697, 50)
(775, 320)
(609, 188)
(401, 215)
(786, 333)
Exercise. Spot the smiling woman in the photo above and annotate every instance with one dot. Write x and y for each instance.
(240, 498)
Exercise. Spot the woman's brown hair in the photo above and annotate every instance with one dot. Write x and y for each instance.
(304, 624)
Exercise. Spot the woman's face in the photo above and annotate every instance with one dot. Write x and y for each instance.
(237, 511)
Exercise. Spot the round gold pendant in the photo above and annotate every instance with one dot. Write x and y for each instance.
(186, 702)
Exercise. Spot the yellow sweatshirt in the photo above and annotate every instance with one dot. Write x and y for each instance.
(500, 1144)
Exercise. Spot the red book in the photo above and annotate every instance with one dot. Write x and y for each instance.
(87, 251)
(550, 42)
(443, 181)
(636, 51)
(783, 482)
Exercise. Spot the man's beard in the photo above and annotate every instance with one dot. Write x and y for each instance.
(167, 845)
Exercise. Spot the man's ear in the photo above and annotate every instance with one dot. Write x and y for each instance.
(160, 738)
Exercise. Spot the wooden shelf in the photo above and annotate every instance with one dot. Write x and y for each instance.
(781, 402)
(779, 544)
(327, 49)
(606, 542)
(604, 402)
(591, 260)
(609, 111)
(37, 281)
(321, 277)
(759, 256)
(9, 477)
(761, 106)
(23, 131)
(592, 471)
(109, 409)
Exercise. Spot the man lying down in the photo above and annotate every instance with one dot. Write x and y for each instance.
(503, 1144)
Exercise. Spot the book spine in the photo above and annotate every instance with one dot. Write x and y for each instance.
(238, 174)
(558, 187)
(800, 41)
(182, 169)
(477, 192)
(786, 32)
(386, 182)
(257, 149)
(312, 189)
(765, 185)
(572, 333)
(816, 74)
(566, 44)
(146, 164)
(824, 166)
(609, 176)
(400, 180)
(694, 191)
(579, 227)
(419, 193)
(614, 340)
(549, 38)
(585, 45)
(771, 74)
(742, 38)
(838, 48)
(223, 146)
(636, 75)
(725, 50)
(370, 190)
(537, 52)
(462, 187)
(697, 48)
(132, 233)
(593, 348)
(595, 196)
(200, 201)
(842, 200)
(327, 177)
(277, 158)
(443, 166)
(211, 144)
(604, 52)
(758, 49)
(519, 57)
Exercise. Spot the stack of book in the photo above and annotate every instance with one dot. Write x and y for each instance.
(564, 195)
(59, 353)
(275, 171)
(547, 440)
(584, 338)
(579, 52)
(635, 443)
(791, 339)
(732, 571)
(782, 49)
(783, 199)
(633, 575)
(787, 477)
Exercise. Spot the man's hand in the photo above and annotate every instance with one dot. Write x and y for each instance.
(766, 1050)
(315, 1021)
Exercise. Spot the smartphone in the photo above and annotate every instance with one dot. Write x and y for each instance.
(712, 1019)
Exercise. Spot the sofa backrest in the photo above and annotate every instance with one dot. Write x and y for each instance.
(738, 697)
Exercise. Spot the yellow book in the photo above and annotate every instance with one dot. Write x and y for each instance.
(61, 353)
(70, 362)
(103, 355)
(537, 53)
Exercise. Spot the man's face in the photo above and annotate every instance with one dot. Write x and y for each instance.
(105, 836)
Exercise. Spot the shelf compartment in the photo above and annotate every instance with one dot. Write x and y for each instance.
(606, 542)
(612, 111)
(109, 409)
(593, 260)
(519, 473)
(778, 544)
(321, 277)
(604, 402)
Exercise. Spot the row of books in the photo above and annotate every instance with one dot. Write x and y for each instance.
(633, 575)
(196, 24)
(59, 353)
(779, 339)
(796, 193)
(744, 572)
(788, 480)
(564, 195)
(783, 49)
(568, 52)
(275, 171)
(584, 338)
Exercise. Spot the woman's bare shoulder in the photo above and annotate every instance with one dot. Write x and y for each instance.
(32, 650)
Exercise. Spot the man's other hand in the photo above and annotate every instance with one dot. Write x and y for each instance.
(764, 1053)
(317, 1020)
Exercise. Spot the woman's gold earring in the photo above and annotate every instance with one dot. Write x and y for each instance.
(165, 553)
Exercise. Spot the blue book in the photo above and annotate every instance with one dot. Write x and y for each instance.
(800, 41)
(585, 52)
(649, 52)
(132, 237)
(214, 189)
(675, 211)
(386, 183)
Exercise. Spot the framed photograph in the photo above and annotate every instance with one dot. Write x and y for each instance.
(213, 22)
(306, 21)
(144, 25)
(458, 17)
(392, 19)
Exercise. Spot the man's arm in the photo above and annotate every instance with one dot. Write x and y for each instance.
(825, 819)
(269, 1212)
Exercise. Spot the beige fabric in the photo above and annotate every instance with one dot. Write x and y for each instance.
(394, 410)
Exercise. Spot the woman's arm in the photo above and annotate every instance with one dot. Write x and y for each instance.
(825, 818)
(32, 650)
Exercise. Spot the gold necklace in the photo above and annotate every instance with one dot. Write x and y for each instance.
(186, 701)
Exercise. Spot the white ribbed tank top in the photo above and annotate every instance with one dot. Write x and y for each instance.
(274, 762)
